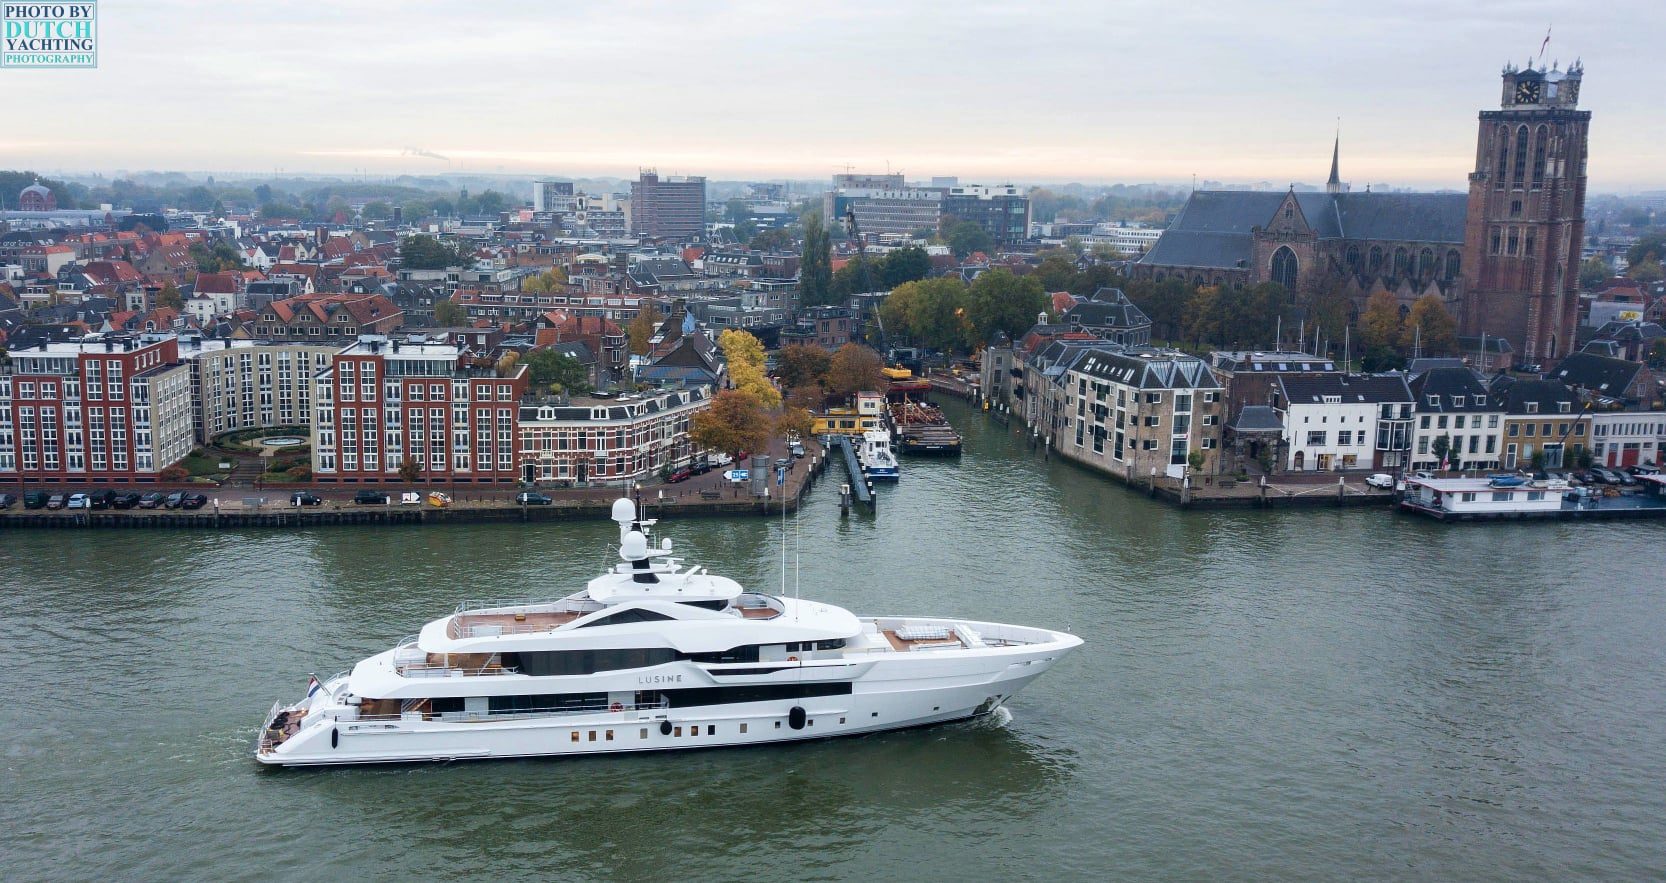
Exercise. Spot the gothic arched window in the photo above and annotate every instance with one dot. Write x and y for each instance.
(1514, 241)
(1353, 257)
(1503, 139)
(1376, 259)
(1521, 157)
(1401, 260)
(1539, 139)
(1285, 268)
(1454, 265)
(1426, 264)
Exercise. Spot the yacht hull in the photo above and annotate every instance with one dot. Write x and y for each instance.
(892, 691)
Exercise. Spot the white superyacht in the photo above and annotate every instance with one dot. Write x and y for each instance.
(652, 655)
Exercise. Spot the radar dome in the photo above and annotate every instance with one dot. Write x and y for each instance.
(634, 547)
(624, 510)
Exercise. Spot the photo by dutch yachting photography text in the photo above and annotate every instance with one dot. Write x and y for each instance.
(743, 441)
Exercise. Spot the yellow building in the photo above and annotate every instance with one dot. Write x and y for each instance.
(867, 414)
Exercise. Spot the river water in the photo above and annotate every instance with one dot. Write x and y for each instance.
(1315, 694)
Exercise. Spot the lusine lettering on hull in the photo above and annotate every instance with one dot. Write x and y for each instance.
(49, 35)
(646, 680)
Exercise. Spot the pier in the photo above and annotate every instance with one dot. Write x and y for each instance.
(860, 489)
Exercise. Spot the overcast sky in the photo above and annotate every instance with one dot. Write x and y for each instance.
(1113, 90)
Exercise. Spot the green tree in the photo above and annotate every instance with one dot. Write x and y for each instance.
(932, 312)
(736, 211)
(815, 269)
(776, 239)
(1203, 316)
(449, 314)
(552, 280)
(733, 424)
(1382, 358)
(904, 265)
(1000, 301)
(170, 297)
(1593, 272)
(965, 237)
(424, 252)
(274, 211)
(1647, 248)
(1648, 272)
(556, 371)
(376, 210)
(1056, 273)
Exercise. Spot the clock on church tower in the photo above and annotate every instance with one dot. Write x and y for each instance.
(1526, 215)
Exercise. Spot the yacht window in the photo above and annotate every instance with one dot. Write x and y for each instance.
(446, 704)
(584, 662)
(752, 693)
(634, 614)
(709, 605)
(546, 702)
(748, 653)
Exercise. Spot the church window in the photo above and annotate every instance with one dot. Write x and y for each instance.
(1515, 208)
(1400, 262)
(1289, 212)
(1197, 280)
(1539, 157)
(1503, 156)
(1529, 247)
(1495, 240)
(1426, 263)
(1521, 157)
(1454, 264)
(1285, 268)
(1353, 257)
(1376, 258)
(1514, 241)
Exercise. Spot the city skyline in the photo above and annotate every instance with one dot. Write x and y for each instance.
(742, 91)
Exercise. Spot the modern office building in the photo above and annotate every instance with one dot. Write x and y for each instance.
(672, 208)
(1002, 211)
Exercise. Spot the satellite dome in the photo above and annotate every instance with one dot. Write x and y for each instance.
(624, 510)
(634, 547)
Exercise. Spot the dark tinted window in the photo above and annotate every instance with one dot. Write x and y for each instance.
(584, 662)
(624, 616)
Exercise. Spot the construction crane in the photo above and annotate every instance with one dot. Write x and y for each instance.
(855, 233)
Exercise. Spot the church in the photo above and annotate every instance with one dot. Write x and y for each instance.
(1503, 256)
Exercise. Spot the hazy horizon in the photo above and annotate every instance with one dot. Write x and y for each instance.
(1139, 93)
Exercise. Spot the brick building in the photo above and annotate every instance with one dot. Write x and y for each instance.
(115, 410)
(382, 401)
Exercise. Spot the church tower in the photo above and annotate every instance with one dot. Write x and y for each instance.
(1526, 218)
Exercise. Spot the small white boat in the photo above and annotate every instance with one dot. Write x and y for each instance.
(878, 462)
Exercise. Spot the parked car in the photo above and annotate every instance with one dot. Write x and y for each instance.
(796, 449)
(193, 501)
(1583, 476)
(174, 500)
(35, 500)
(371, 498)
(125, 501)
(100, 499)
(1422, 473)
(1644, 469)
(532, 498)
(79, 501)
(700, 467)
(6, 501)
(680, 475)
(56, 501)
(1381, 479)
(719, 459)
(783, 463)
(1603, 476)
(151, 500)
(1624, 477)
(305, 498)
(738, 476)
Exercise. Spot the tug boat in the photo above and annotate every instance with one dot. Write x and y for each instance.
(652, 655)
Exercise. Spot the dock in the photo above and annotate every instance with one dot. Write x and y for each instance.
(861, 490)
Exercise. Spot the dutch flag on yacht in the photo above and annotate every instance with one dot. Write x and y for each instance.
(313, 686)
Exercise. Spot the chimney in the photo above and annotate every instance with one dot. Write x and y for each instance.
(109, 345)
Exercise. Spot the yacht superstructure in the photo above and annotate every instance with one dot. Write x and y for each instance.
(653, 654)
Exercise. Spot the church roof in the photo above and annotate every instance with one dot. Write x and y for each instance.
(1213, 228)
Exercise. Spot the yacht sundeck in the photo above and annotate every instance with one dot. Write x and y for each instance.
(652, 655)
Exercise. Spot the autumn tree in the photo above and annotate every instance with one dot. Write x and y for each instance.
(855, 368)
(1593, 272)
(932, 312)
(552, 280)
(1379, 325)
(1430, 327)
(801, 365)
(1203, 320)
(745, 356)
(409, 470)
(424, 252)
(641, 330)
(965, 238)
(734, 423)
(794, 420)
